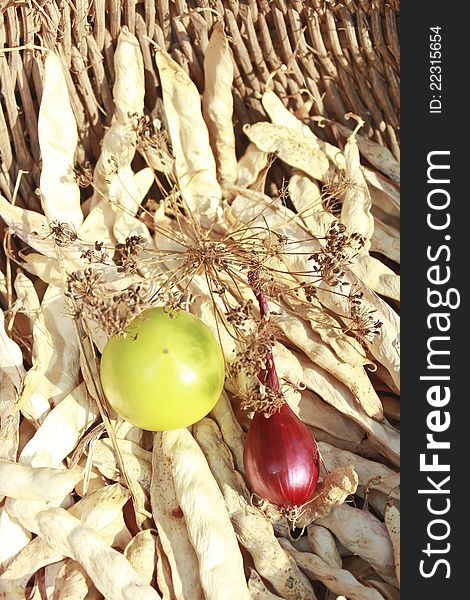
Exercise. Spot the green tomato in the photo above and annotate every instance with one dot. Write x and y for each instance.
(165, 372)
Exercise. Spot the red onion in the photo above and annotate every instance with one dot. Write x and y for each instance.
(281, 458)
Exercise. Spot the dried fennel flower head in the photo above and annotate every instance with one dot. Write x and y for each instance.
(90, 297)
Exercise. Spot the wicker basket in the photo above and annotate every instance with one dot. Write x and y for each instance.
(340, 56)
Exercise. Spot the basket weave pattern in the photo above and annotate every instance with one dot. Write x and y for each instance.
(339, 57)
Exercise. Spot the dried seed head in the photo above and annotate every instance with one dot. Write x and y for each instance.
(363, 325)
(84, 174)
(332, 259)
(97, 254)
(112, 311)
(64, 234)
(309, 290)
(84, 286)
(334, 190)
(240, 314)
(128, 253)
(264, 400)
(149, 135)
(256, 351)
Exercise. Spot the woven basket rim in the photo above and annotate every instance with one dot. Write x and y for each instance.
(342, 56)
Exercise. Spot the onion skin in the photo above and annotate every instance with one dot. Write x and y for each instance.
(281, 458)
